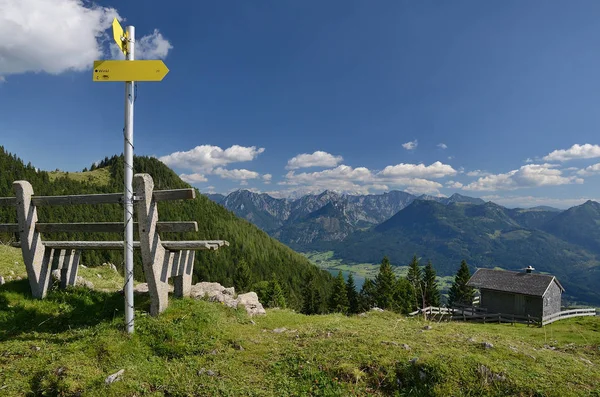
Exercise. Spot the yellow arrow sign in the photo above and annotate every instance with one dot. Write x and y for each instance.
(119, 34)
(145, 70)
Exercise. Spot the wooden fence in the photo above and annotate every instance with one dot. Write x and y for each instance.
(568, 314)
(476, 314)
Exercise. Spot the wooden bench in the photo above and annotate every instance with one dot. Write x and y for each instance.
(161, 259)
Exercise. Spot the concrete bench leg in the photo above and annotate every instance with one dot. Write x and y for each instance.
(182, 280)
(38, 261)
(69, 266)
(154, 257)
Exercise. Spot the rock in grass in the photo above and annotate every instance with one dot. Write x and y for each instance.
(237, 346)
(114, 377)
(405, 346)
(2, 280)
(376, 309)
(487, 345)
(279, 330)
(251, 304)
(83, 282)
(427, 327)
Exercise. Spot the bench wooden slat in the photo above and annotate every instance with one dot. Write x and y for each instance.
(9, 228)
(118, 245)
(106, 198)
(8, 201)
(111, 227)
(174, 194)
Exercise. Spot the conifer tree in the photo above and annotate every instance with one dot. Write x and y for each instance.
(338, 301)
(385, 285)
(460, 294)
(430, 287)
(312, 301)
(414, 278)
(352, 295)
(275, 297)
(366, 297)
(242, 279)
(403, 296)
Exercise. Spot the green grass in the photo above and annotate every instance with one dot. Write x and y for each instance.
(81, 341)
(99, 176)
(68, 343)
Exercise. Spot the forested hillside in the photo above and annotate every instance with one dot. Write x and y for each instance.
(265, 256)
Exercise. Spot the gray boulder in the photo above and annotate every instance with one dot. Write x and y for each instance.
(215, 292)
(250, 302)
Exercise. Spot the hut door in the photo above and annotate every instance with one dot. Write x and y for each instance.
(519, 304)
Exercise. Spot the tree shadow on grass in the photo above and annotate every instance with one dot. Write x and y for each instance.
(60, 311)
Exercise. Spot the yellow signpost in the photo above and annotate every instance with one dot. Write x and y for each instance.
(145, 70)
(129, 71)
(119, 35)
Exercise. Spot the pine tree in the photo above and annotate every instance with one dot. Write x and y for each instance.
(385, 285)
(275, 297)
(338, 301)
(312, 296)
(414, 278)
(460, 294)
(352, 295)
(242, 279)
(366, 297)
(430, 287)
(403, 296)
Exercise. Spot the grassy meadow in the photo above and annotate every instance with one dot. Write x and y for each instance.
(70, 342)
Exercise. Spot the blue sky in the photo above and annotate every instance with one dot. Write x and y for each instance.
(498, 100)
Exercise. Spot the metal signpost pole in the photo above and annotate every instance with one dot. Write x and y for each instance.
(128, 199)
(128, 71)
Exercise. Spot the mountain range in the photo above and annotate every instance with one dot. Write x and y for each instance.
(445, 230)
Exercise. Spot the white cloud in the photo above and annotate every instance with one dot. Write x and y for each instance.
(435, 170)
(532, 201)
(193, 178)
(240, 174)
(442, 146)
(59, 35)
(454, 185)
(410, 145)
(591, 170)
(267, 178)
(529, 160)
(361, 180)
(531, 175)
(317, 159)
(478, 173)
(206, 157)
(586, 151)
